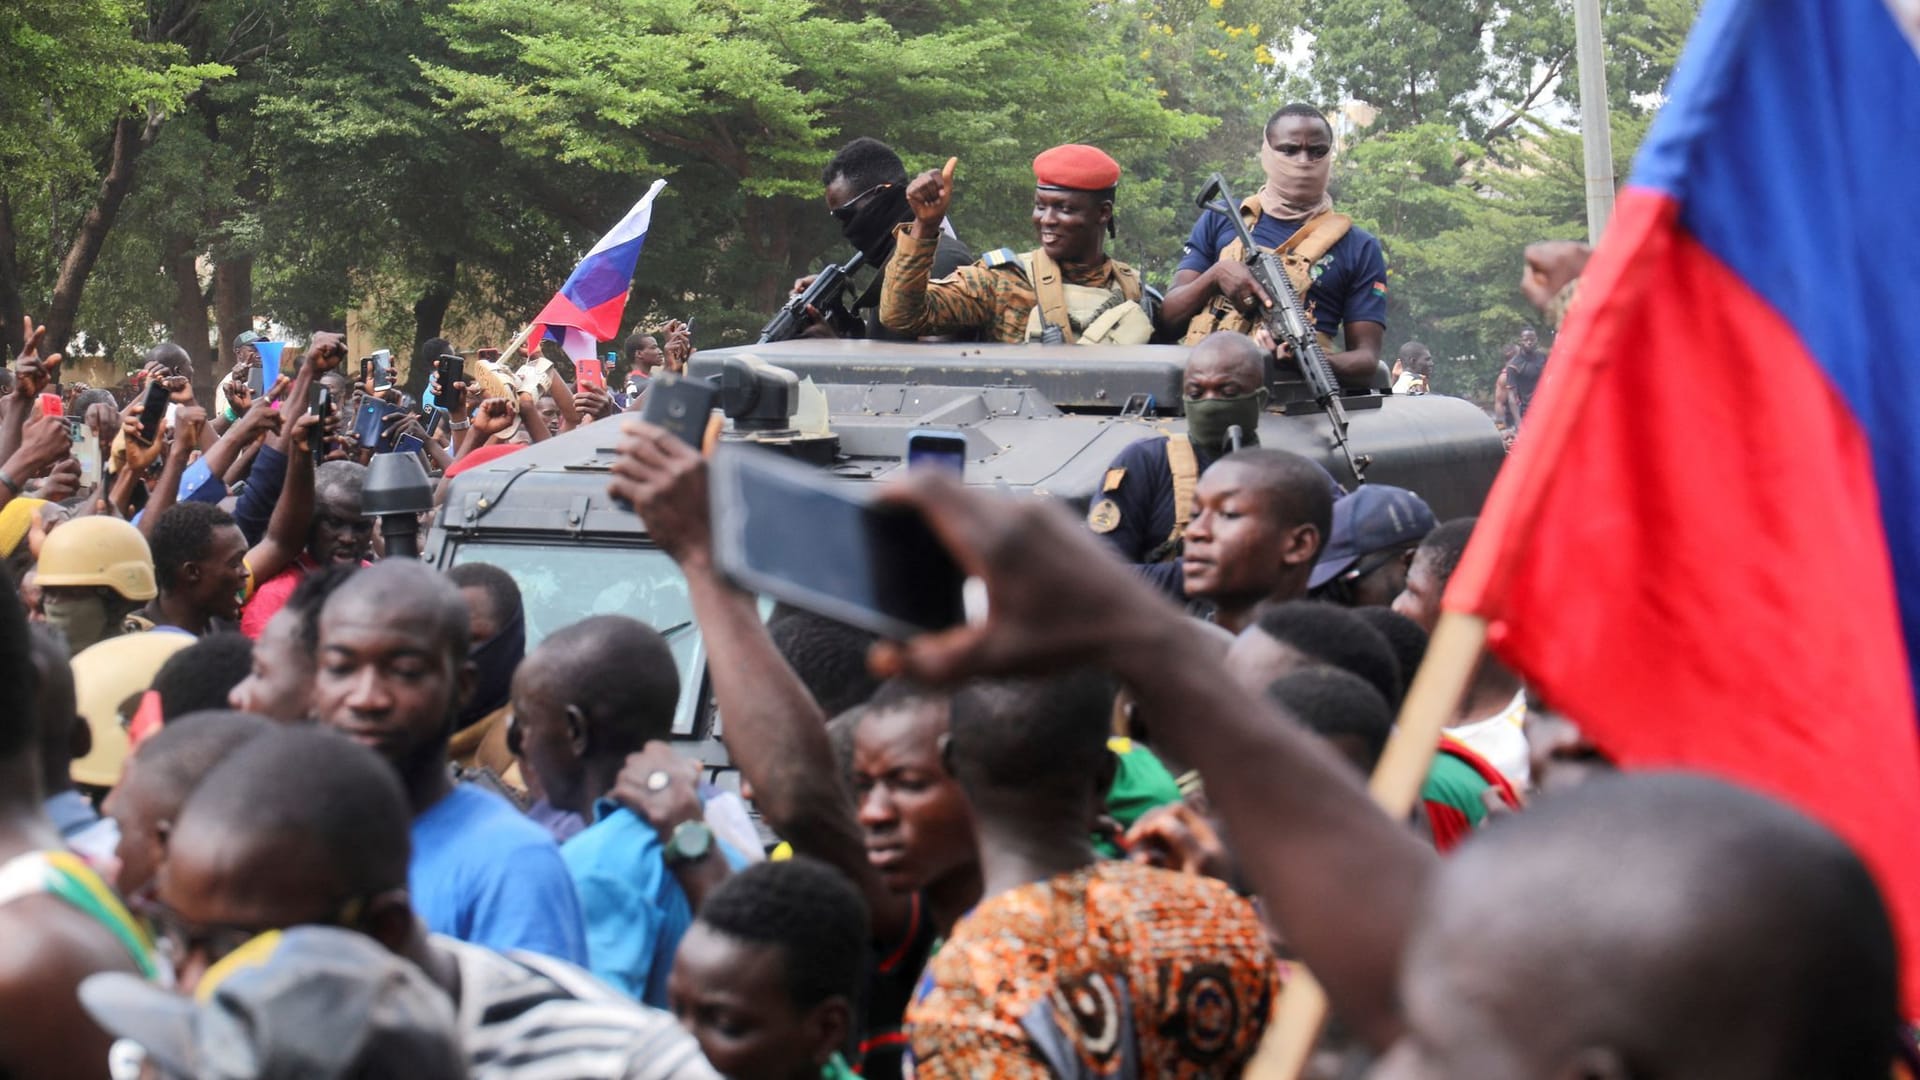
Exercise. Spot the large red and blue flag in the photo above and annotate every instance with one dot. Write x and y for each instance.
(587, 309)
(1706, 547)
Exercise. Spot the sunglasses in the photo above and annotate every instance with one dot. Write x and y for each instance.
(1314, 152)
(845, 211)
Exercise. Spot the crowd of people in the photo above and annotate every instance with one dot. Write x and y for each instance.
(279, 805)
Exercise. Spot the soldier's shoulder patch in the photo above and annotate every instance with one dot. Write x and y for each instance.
(1104, 517)
(1000, 257)
(1112, 482)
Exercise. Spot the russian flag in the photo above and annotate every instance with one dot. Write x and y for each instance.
(1706, 546)
(588, 307)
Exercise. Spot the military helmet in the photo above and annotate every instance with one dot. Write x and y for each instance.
(97, 550)
(109, 679)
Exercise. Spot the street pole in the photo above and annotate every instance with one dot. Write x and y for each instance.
(1595, 136)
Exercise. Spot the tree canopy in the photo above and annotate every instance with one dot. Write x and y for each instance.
(437, 166)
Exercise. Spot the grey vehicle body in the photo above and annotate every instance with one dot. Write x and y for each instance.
(1039, 419)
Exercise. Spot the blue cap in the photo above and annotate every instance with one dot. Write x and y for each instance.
(1376, 517)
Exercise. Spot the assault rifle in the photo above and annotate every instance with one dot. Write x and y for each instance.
(827, 295)
(1286, 320)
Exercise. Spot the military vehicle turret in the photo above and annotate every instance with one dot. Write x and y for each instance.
(1039, 419)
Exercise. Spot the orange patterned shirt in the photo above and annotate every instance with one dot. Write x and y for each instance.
(1117, 970)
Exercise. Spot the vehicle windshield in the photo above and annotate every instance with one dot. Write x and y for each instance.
(562, 584)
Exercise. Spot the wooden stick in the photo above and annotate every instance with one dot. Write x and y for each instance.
(1431, 704)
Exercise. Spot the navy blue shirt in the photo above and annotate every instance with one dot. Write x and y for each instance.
(1349, 281)
(1144, 499)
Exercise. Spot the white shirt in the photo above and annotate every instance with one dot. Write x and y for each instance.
(1502, 740)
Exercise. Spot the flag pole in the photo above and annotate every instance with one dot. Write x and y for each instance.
(1459, 639)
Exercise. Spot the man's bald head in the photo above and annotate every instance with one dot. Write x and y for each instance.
(619, 670)
(1654, 925)
(404, 592)
(1221, 355)
(170, 356)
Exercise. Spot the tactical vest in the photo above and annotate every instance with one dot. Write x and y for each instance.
(1085, 314)
(1297, 255)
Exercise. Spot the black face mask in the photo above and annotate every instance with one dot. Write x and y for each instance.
(869, 228)
(494, 661)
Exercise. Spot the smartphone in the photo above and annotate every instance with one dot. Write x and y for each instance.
(86, 451)
(435, 417)
(869, 564)
(366, 370)
(256, 379)
(588, 374)
(153, 410)
(320, 403)
(408, 444)
(451, 370)
(931, 448)
(51, 405)
(382, 369)
(370, 422)
(681, 405)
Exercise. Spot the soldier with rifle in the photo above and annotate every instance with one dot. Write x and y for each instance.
(1335, 266)
(866, 191)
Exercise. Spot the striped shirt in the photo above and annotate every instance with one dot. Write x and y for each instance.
(528, 1017)
(995, 301)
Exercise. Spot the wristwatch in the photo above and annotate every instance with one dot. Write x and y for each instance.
(690, 842)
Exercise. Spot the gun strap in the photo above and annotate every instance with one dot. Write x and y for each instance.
(1184, 466)
(1051, 291)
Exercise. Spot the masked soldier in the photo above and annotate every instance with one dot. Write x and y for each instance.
(1146, 498)
(94, 574)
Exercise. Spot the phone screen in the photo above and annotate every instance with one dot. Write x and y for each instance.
(86, 450)
(408, 444)
(937, 449)
(874, 566)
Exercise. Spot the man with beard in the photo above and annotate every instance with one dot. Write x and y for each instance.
(866, 191)
(393, 674)
(1336, 266)
(1065, 291)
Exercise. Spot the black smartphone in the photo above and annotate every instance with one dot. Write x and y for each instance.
(930, 448)
(256, 378)
(869, 564)
(451, 369)
(320, 404)
(681, 405)
(153, 410)
(435, 417)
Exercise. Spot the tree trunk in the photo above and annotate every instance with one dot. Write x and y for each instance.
(13, 302)
(131, 138)
(430, 317)
(232, 304)
(189, 319)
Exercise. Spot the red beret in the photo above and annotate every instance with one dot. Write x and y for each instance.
(1076, 168)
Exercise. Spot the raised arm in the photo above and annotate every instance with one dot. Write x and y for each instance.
(776, 733)
(293, 514)
(187, 424)
(1340, 878)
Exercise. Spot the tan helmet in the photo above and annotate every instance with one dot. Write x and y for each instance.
(109, 679)
(97, 550)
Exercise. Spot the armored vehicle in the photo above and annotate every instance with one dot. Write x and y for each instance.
(1040, 419)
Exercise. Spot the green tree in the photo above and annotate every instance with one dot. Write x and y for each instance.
(85, 88)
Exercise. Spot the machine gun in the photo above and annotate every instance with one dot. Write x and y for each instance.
(1286, 320)
(827, 295)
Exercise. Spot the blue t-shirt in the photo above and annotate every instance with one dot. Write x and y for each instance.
(1349, 281)
(484, 874)
(636, 911)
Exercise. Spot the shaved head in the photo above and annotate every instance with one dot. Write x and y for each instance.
(405, 592)
(1230, 352)
(621, 673)
(1652, 925)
